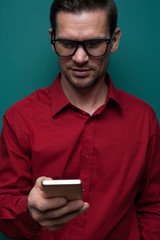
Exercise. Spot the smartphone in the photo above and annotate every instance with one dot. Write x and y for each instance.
(69, 189)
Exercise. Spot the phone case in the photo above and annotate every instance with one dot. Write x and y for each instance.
(69, 189)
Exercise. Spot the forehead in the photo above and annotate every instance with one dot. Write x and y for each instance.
(83, 25)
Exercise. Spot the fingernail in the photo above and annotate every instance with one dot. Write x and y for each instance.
(86, 205)
(79, 204)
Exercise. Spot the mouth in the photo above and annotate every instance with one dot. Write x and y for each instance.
(81, 72)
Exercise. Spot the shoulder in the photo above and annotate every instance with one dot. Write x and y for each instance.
(132, 102)
(135, 109)
(30, 109)
(31, 102)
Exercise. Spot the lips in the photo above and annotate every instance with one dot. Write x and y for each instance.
(80, 72)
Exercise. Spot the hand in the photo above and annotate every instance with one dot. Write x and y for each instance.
(52, 213)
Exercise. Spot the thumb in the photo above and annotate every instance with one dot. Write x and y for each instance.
(38, 183)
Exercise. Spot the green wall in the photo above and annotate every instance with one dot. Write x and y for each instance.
(28, 63)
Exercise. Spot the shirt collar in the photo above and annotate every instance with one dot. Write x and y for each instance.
(59, 100)
(112, 91)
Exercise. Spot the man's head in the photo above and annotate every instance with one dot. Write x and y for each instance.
(79, 6)
(83, 36)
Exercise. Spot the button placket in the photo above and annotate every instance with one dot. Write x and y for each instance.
(86, 159)
(87, 143)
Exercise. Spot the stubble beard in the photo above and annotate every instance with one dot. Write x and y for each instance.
(81, 83)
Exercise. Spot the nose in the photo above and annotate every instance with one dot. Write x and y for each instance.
(80, 57)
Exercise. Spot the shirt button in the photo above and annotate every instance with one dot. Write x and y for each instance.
(86, 156)
(84, 190)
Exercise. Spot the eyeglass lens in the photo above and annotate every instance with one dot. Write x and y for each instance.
(92, 47)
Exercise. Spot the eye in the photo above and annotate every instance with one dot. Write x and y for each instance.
(67, 44)
(94, 43)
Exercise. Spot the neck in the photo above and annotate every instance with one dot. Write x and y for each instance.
(88, 99)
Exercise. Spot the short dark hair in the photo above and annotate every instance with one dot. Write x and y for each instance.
(78, 6)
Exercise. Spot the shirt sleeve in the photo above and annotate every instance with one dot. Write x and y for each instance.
(16, 180)
(148, 203)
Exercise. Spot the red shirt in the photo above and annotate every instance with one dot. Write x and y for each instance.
(115, 152)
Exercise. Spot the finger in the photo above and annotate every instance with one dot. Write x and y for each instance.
(54, 208)
(44, 207)
(54, 228)
(71, 206)
(69, 217)
(56, 223)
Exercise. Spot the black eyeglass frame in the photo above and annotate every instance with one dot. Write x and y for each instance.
(53, 41)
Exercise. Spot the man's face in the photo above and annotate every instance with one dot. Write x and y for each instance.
(82, 70)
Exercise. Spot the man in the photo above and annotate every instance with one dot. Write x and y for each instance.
(81, 127)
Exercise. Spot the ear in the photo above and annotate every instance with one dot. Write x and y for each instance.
(50, 32)
(115, 41)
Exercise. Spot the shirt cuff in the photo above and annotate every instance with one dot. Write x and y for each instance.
(25, 218)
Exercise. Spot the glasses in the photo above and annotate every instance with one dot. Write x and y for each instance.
(93, 47)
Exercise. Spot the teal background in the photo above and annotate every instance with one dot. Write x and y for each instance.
(28, 63)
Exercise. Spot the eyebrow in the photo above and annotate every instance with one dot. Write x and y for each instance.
(89, 39)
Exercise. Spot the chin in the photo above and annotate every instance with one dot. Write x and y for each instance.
(81, 83)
